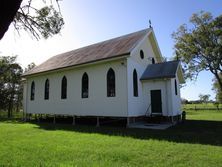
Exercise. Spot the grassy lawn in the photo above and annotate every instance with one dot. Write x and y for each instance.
(197, 142)
(207, 115)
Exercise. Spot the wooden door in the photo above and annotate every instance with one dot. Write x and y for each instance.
(156, 102)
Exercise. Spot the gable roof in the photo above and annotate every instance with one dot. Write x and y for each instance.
(161, 70)
(116, 47)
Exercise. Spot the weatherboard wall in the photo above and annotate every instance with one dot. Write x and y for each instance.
(98, 104)
(137, 105)
(25, 91)
(176, 100)
(165, 98)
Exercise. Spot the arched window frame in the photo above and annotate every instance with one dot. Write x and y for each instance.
(111, 85)
(175, 85)
(141, 54)
(85, 85)
(153, 60)
(46, 93)
(135, 83)
(64, 88)
(32, 95)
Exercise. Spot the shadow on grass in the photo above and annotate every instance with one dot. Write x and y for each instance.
(191, 131)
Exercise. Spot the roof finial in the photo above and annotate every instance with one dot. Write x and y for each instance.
(150, 24)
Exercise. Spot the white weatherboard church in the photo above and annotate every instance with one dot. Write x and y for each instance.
(124, 77)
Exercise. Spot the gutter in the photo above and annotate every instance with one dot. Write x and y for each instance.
(158, 77)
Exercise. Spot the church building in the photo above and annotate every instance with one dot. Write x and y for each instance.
(124, 77)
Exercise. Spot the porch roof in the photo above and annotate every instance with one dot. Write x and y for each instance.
(160, 70)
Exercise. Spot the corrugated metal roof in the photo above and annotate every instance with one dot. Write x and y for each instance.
(104, 50)
(160, 70)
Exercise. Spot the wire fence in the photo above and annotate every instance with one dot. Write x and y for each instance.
(202, 106)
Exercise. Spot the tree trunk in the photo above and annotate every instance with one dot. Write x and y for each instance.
(17, 106)
(9, 109)
(8, 9)
(219, 80)
(10, 105)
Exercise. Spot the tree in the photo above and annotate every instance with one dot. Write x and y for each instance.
(216, 104)
(30, 66)
(43, 22)
(204, 98)
(10, 84)
(200, 47)
(217, 90)
(8, 9)
(184, 101)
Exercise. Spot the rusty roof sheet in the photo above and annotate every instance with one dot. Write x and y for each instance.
(115, 47)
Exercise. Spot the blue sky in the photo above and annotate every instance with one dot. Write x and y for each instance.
(91, 21)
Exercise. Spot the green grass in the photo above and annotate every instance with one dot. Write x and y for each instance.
(197, 142)
(208, 115)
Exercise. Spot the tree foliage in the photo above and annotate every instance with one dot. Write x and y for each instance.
(30, 66)
(38, 22)
(10, 84)
(200, 47)
(204, 98)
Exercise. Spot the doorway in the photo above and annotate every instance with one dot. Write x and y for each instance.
(156, 102)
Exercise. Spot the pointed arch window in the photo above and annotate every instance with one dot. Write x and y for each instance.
(111, 87)
(153, 61)
(135, 83)
(64, 88)
(141, 54)
(32, 97)
(46, 95)
(175, 84)
(85, 85)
